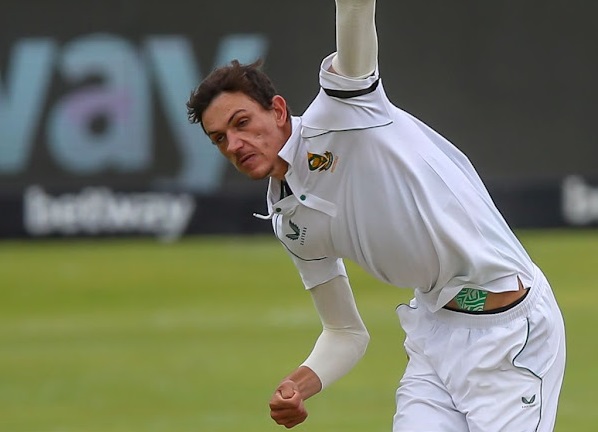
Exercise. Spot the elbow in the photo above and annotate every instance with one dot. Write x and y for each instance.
(362, 340)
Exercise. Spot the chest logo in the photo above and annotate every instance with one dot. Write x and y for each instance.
(319, 162)
(296, 231)
(297, 234)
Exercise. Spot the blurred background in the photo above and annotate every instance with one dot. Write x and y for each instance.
(103, 328)
(95, 141)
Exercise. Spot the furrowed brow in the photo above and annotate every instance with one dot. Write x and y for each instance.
(228, 123)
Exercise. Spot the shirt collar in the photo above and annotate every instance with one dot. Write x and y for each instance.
(287, 153)
(289, 149)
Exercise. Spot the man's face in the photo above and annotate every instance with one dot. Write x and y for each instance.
(248, 135)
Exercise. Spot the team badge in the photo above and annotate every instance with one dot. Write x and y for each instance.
(320, 162)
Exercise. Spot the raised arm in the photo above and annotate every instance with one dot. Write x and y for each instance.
(356, 38)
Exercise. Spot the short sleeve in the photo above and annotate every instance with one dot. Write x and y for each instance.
(317, 272)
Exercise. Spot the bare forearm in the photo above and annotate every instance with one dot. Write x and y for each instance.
(308, 383)
(287, 406)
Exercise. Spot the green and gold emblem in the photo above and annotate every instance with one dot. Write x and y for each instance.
(318, 162)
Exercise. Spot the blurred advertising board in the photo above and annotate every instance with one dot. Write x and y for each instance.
(94, 138)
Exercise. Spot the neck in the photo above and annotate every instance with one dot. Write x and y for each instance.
(280, 169)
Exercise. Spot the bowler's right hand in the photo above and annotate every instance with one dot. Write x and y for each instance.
(286, 405)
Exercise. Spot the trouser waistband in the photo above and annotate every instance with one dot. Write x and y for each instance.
(520, 310)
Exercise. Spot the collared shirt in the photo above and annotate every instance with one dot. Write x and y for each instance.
(375, 185)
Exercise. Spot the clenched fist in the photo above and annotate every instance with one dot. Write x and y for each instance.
(286, 405)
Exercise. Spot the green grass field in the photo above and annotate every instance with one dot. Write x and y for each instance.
(140, 336)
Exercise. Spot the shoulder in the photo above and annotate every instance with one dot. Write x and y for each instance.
(346, 103)
(342, 87)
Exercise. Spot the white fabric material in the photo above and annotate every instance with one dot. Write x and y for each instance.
(344, 337)
(505, 375)
(356, 39)
(393, 196)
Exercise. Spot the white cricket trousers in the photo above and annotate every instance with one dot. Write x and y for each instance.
(483, 373)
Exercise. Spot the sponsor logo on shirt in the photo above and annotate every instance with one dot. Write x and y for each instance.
(318, 162)
(298, 233)
(528, 402)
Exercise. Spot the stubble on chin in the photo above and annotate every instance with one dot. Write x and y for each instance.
(257, 173)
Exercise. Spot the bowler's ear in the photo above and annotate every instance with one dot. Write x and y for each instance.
(279, 105)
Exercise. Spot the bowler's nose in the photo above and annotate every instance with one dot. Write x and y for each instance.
(234, 142)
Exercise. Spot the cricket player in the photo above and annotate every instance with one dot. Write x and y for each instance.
(356, 177)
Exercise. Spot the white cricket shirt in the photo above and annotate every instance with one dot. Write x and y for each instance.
(375, 185)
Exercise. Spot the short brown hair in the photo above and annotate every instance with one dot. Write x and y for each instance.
(235, 77)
